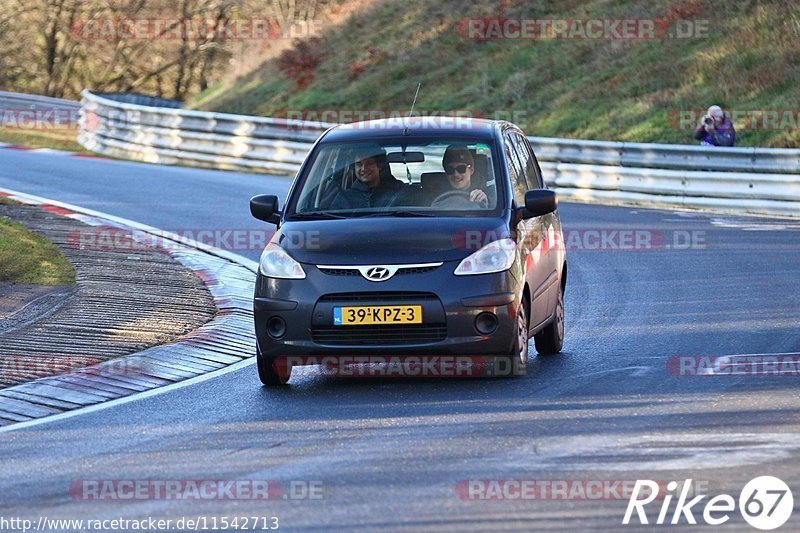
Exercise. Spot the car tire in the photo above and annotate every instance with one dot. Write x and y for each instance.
(551, 339)
(271, 373)
(519, 351)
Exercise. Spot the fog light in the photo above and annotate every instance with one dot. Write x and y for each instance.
(276, 327)
(486, 323)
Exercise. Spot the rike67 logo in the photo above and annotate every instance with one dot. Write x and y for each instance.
(765, 502)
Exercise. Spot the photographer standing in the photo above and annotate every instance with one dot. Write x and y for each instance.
(715, 128)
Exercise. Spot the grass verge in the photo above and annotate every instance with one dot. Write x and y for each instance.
(742, 55)
(57, 139)
(29, 258)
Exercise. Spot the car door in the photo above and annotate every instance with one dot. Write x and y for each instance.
(528, 232)
(552, 247)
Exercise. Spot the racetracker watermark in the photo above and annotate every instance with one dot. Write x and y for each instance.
(195, 489)
(755, 365)
(40, 118)
(765, 503)
(615, 29)
(743, 119)
(401, 366)
(550, 489)
(103, 238)
(595, 239)
(299, 119)
(183, 523)
(20, 367)
(193, 29)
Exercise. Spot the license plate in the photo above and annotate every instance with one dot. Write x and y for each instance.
(384, 314)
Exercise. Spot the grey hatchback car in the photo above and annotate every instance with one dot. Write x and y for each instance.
(411, 238)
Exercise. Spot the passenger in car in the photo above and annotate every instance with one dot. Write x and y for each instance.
(459, 166)
(375, 186)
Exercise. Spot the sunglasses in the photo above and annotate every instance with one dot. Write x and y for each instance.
(460, 169)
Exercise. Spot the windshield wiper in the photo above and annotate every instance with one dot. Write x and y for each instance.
(315, 215)
(398, 214)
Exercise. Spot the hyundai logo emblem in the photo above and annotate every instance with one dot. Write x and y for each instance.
(377, 273)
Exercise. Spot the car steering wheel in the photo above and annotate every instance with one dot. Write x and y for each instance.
(455, 197)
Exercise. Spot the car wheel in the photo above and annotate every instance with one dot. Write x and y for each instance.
(551, 339)
(519, 352)
(274, 372)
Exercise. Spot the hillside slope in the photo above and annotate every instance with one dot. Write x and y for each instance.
(742, 55)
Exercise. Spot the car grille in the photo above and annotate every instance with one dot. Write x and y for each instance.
(374, 335)
(354, 272)
(390, 334)
(339, 272)
(415, 270)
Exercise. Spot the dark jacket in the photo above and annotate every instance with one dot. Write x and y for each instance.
(389, 192)
(722, 135)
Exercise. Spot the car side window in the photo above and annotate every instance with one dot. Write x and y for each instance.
(539, 174)
(515, 173)
(528, 161)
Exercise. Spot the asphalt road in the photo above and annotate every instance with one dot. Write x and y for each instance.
(389, 454)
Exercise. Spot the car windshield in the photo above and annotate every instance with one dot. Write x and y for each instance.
(399, 178)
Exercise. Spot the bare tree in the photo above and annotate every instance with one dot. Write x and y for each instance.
(59, 47)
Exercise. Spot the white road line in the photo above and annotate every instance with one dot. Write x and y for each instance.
(637, 371)
(657, 452)
(50, 151)
(127, 399)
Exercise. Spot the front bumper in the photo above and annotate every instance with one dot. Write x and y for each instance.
(450, 306)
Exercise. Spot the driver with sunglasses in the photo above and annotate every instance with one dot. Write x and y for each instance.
(459, 166)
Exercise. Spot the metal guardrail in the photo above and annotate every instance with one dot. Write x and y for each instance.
(738, 179)
(142, 99)
(20, 100)
(667, 156)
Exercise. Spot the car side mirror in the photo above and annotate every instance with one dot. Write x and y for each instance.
(540, 202)
(265, 207)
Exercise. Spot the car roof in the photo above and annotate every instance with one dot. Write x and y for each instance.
(418, 126)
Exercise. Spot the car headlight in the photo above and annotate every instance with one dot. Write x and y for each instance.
(496, 256)
(276, 263)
